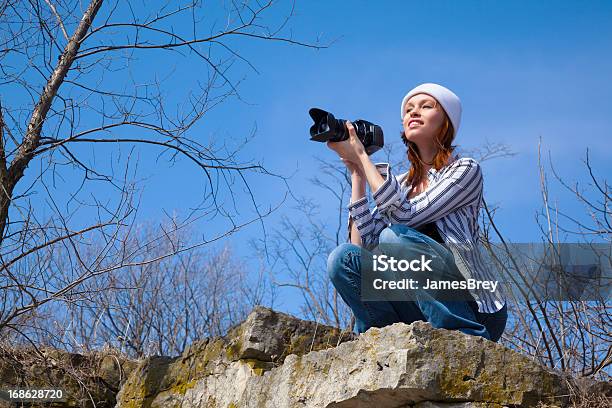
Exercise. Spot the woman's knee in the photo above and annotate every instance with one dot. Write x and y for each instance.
(399, 233)
(337, 257)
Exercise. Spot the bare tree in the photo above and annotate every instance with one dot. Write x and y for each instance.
(158, 308)
(83, 95)
(569, 335)
(297, 250)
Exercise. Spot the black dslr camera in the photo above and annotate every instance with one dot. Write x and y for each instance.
(327, 128)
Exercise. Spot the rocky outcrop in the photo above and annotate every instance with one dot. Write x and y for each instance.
(219, 370)
(275, 360)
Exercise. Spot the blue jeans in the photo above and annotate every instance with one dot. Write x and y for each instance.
(344, 268)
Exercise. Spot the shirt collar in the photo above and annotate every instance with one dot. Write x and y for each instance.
(432, 173)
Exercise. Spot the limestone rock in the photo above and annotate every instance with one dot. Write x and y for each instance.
(267, 335)
(224, 366)
(396, 366)
(275, 360)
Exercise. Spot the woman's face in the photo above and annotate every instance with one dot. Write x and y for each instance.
(423, 118)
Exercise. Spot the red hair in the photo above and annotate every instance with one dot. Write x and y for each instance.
(443, 156)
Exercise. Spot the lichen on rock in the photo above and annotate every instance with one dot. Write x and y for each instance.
(276, 360)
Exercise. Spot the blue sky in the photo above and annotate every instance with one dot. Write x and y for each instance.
(524, 70)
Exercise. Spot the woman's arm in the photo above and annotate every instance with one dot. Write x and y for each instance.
(375, 180)
(368, 225)
(364, 226)
(357, 193)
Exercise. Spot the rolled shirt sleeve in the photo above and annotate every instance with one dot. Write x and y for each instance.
(368, 223)
(359, 211)
(389, 193)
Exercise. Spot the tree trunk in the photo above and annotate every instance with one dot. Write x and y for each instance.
(10, 177)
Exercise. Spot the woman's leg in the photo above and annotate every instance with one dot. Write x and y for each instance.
(344, 269)
(404, 242)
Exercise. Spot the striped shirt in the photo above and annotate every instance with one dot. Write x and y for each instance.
(452, 200)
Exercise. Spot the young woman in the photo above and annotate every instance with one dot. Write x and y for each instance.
(432, 210)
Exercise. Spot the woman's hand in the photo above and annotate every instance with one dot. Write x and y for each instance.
(349, 150)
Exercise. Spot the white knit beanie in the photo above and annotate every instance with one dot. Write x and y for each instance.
(449, 101)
